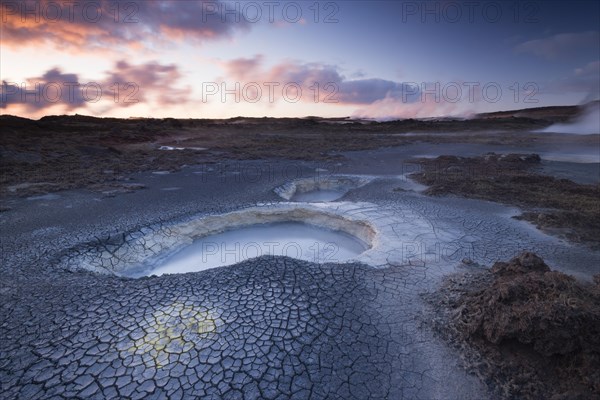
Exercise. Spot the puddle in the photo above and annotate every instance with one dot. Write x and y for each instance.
(27, 185)
(293, 239)
(582, 158)
(172, 148)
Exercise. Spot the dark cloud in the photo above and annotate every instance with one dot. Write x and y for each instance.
(52, 88)
(367, 91)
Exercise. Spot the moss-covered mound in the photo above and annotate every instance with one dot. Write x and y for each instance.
(528, 331)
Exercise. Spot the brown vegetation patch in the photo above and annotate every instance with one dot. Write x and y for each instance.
(529, 332)
(558, 206)
(78, 151)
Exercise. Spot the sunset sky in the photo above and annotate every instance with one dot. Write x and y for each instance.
(373, 59)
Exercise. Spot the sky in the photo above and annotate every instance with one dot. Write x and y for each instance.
(362, 59)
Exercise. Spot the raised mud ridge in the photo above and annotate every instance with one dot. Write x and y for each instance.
(337, 186)
(149, 246)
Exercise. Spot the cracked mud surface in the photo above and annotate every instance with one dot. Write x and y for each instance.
(269, 328)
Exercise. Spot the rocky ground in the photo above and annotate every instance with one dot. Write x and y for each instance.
(65, 152)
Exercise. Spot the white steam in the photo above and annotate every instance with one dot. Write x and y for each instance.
(586, 124)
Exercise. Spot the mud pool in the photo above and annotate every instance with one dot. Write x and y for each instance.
(291, 239)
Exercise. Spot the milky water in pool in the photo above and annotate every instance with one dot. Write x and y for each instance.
(293, 239)
(319, 195)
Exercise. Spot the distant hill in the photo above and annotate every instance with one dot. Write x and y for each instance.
(550, 114)
(553, 113)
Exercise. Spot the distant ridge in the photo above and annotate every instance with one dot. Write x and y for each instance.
(549, 114)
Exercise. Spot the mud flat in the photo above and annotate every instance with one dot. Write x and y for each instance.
(273, 326)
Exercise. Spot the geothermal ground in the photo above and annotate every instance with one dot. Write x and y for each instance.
(91, 208)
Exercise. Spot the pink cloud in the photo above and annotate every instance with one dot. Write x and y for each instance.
(152, 79)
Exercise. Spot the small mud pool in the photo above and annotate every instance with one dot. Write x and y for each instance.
(320, 190)
(292, 239)
(319, 195)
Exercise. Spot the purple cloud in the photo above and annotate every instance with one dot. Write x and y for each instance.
(328, 77)
(123, 86)
(106, 23)
(52, 88)
(151, 78)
